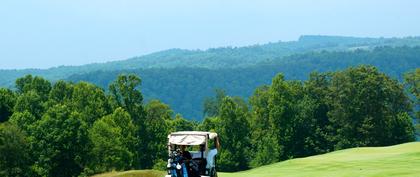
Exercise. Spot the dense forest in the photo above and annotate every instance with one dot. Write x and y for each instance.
(186, 88)
(223, 57)
(79, 129)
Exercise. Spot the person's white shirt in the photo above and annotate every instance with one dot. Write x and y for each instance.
(210, 158)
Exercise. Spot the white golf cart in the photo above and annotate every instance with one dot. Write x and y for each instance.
(200, 161)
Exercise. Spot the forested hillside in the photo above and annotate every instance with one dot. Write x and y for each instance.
(78, 129)
(225, 57)
(185, 88)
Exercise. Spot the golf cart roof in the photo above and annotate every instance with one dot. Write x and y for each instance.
(190, 137)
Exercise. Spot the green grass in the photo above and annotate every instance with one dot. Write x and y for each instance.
(133, 173)
(396, 161)
(399, 160)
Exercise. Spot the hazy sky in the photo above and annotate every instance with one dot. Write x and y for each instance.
(46, 33)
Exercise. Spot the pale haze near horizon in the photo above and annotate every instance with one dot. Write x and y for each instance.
(49, 33)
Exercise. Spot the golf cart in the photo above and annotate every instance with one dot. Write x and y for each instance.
(200, 161)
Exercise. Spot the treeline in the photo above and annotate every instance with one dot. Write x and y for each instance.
(78, 129)
(330, 111)
(185, 89)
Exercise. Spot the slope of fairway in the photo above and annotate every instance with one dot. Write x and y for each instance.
(133, 173)
(396, 161)
(399, 160)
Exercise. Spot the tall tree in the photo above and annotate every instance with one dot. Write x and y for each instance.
(37, 84)
(59, 141)
(7, 102)
(30, 101)
(281, 104)
(124, 92)
(234, 135)
(181, 124)
(365, 104)
(113, 139)
(412, 80)
(314, 108)
(211, 105)
(158, 117)
(264, 144)
(14, 158)
(90, 101)
(61, 92)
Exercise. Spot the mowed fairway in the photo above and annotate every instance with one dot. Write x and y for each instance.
(395, 161)
(399, 160)
(133, 173)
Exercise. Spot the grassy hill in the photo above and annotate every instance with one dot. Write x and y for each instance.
(396, 161)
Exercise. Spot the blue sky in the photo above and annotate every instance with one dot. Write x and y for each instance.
(47, 33)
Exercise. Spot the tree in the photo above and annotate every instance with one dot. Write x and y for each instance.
(264, 144)
(90, 101)
(158, 118)
(365, 107)
(61, 92)
(37, 84)
(30, 101)
(211, 124)
(212, 105)
(24, 120)
(14, 158)
(113, 140)
(181, 124)
(124, 93)
(314, 108)
(412, 81)
(282, 112)
(7, 102)
(234, 135)
(59, 141)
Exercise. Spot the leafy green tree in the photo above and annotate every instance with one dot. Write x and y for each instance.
(30, 101)
(58, 142)
(37, 84)
(158, 118)
(212, 105)
(282, 112)
(314, 108)
(402, 129)
(412, 80)
(14, 158)
(61, 92)
(211, 124)
(264, 144)
(124, 93)
(181, 124)
(90, 101)
(365, 107)
(234, 135)
(24, 120)
(113, 139)
(7, 102)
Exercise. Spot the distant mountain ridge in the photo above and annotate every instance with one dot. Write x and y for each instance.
(185, 88)
(214, 58)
